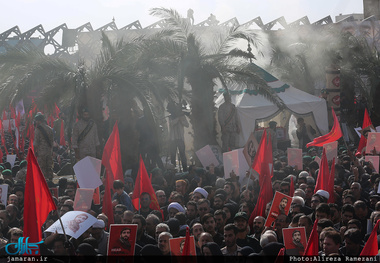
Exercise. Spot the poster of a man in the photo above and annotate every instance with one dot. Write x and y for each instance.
(122, 240)
(83, 199)
(295, 240)
(250, 149)
(373, 143)
(74, 222)
(280, 205)
(177, 245)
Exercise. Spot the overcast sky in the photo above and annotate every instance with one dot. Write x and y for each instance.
(51, 13)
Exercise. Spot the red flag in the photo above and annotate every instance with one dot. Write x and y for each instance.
(56, 111)
(3, 138)
(323, 174)
(331, 183)
(143, 185)
(332, 136)
(280, 256)
(50, 121)
(366, 124)
(38, 201)
(263, 164)
(62, 141)
(107, 201)
(312, 247)
(186, 246)
(371, 248)
(111, 158)
(13, 112)
(96, 196)
(291, 189)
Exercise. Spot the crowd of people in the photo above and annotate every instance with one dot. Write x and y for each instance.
(217, 211)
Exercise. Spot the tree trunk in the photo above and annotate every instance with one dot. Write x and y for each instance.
(202, 116)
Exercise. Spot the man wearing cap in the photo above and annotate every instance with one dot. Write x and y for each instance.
(43, 145)
(242, 237)
(85, 139)
(229, 123)
(101, 236)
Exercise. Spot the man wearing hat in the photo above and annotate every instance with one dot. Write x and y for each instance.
(229, 123)
(101, 236)
(43, 145)
(242, 237)
(85, 138)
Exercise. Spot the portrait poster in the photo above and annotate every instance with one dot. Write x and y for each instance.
(87, 172)
(373, 142)
(177, 244)
(122, 240)
(280, 205)
(83, 199)
(75, 223)
(295, 158)
(54, 191)
(4, 194)
(250, 149)
(374, 159)
(207, 157)
(331, 150)
(218, 153)
(295, 240)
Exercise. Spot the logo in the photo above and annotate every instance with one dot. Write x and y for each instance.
(22, 247)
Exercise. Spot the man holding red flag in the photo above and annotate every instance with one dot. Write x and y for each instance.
(111, 160)
(263, 165)
(143, 185)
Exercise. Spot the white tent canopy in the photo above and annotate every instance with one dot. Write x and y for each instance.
(251, 108)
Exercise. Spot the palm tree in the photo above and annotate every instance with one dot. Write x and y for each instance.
(200, 68)
(116, 75)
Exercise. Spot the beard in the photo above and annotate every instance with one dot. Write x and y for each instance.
(298, 244)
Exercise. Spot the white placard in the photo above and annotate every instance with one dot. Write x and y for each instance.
(235, 161)
(87, 172)
(74, 222)
(295, 158)
(207, 157)
(3, 193)
(331, 150)
(11, 158)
